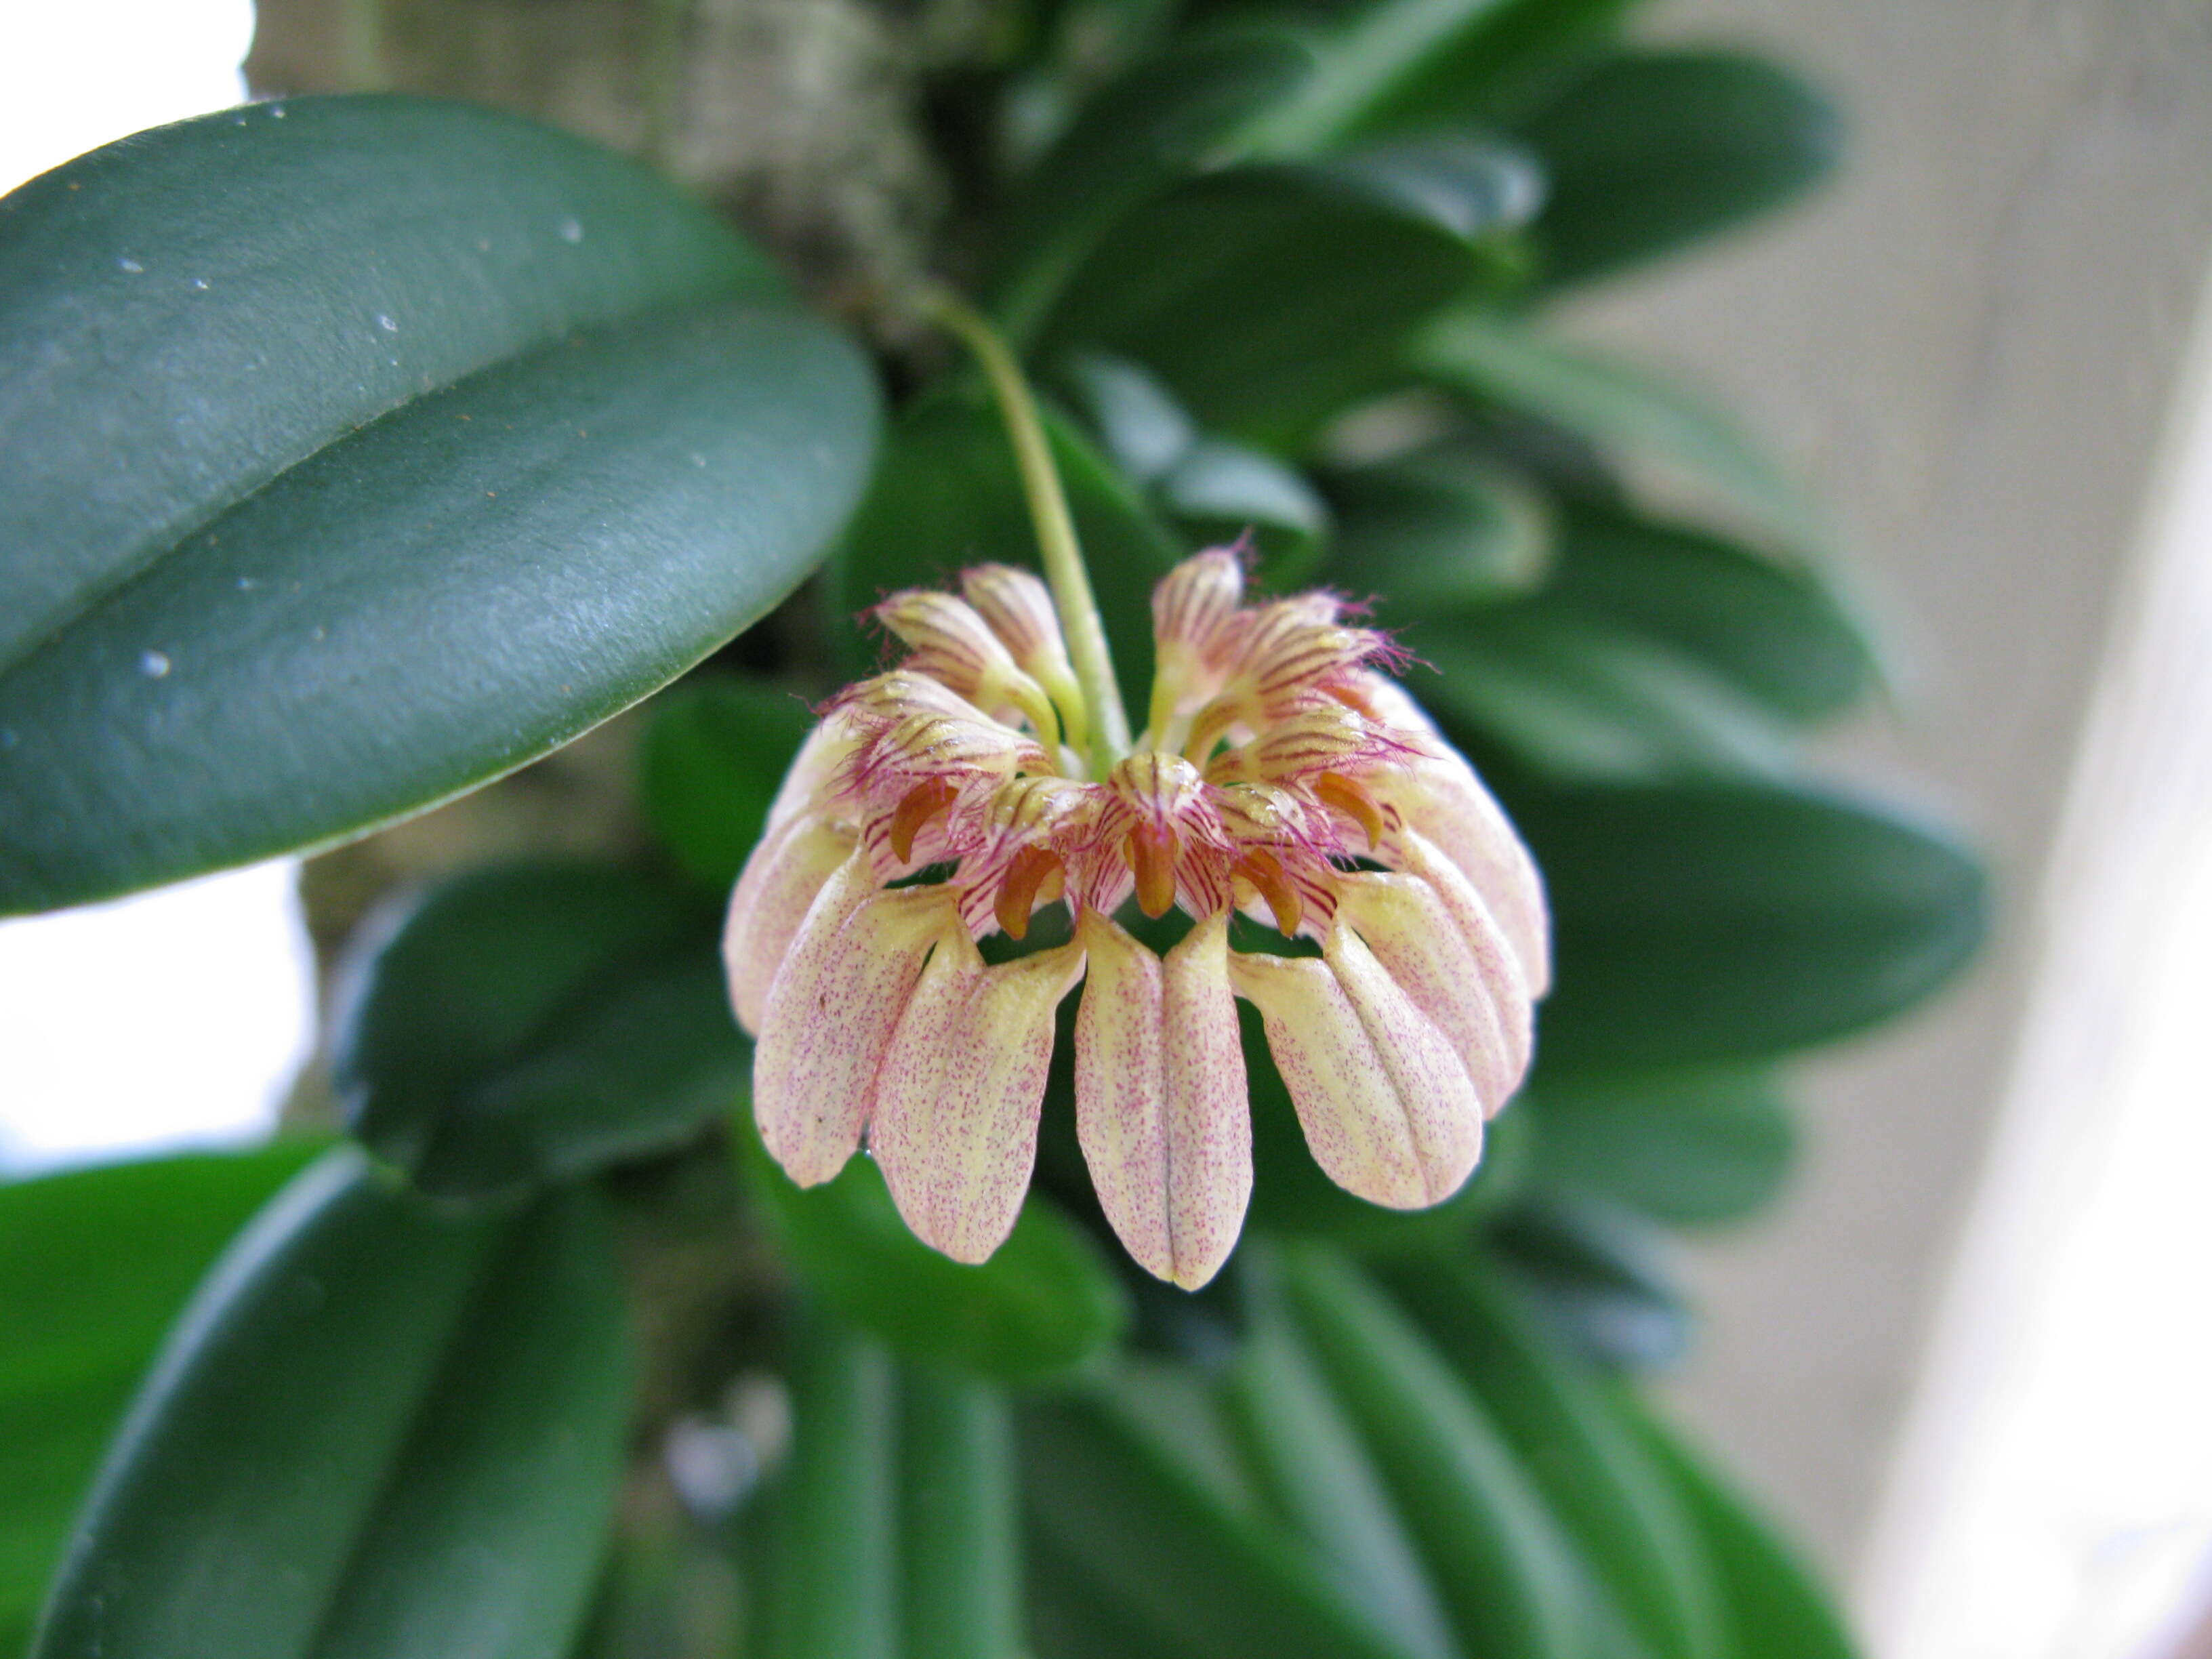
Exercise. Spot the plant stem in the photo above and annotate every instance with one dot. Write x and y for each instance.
(1055, 528)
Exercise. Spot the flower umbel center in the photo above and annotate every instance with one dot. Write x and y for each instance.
(1282, 774)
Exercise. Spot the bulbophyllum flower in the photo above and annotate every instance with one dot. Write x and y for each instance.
(1394, 935)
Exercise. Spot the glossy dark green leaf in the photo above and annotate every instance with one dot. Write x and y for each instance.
(833, 1581)
(1516, 59)
(1121, 1511)
(377, 1429)
(1691, 1148)
(1215, 490)
(1651, 151)
(1774, 1603)
(1651, 651)
(1595, 1274)
(1443, 529)
(526, 1022)
(1644, 1554)
(1786, 638)
(1626, 413)
(1504, 1568)
(93, 1266)
(1716, 921)
(1266, 296)
(947, 495)
(1158, 123)
(1308, 1456)
(357, 449)
(1044, 1304)
(1372, 62)
(714, 750)
(1580, 697)
(959, 1520)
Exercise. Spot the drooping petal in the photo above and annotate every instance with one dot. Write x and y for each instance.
(1438, 795)
(816, 771)
(1160, 1106)
(1504, 977)
(831, 1012)
(1389, 1112)
(1405, 922)
(790, 865)
(956, 1121)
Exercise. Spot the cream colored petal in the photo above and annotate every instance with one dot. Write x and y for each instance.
(1504, 978)
(831, 1012)
(1443, 1115)
(814, 770)
(1414, 935)
(792, 864)
(1440, 797)
(956, 1122)
(1160, 1097)
(1387, 1110)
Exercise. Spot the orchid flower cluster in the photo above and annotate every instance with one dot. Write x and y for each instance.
(1282, 776)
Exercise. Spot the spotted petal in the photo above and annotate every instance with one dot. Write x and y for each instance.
(830, 1013)
(793, 863)
(956, 1123)
(1503, 980)
(1403, 923)
(1438, 796)
(1389, 1112)
(1160, 1097)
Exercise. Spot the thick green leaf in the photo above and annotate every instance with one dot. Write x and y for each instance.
(1774, 1603)
(527, 1023)
(1308, 1456)
(1784, 637)
(947, 495)
(1652, 651)
(1499, 1560)
(1653, 150)
(1044, 1304)
(1374, 56)
(1691, 1148)
(1122, 1514)
(1214, 489)
(1266, 296)
(1622, 1514)
(1594, 1272)
(711, 759)
(1622, 410)
(94, 1266)
(1579, 697)
(1517, 60)
(959, 1520)
(1160, 123)
(1441, 530)
(449, 436)
(834, 1525)
(1716, 921)
(1221, 492)
(377, 1429)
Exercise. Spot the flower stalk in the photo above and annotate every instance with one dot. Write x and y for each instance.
(1104, 721)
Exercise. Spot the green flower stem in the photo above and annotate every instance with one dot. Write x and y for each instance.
(1055, 528)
